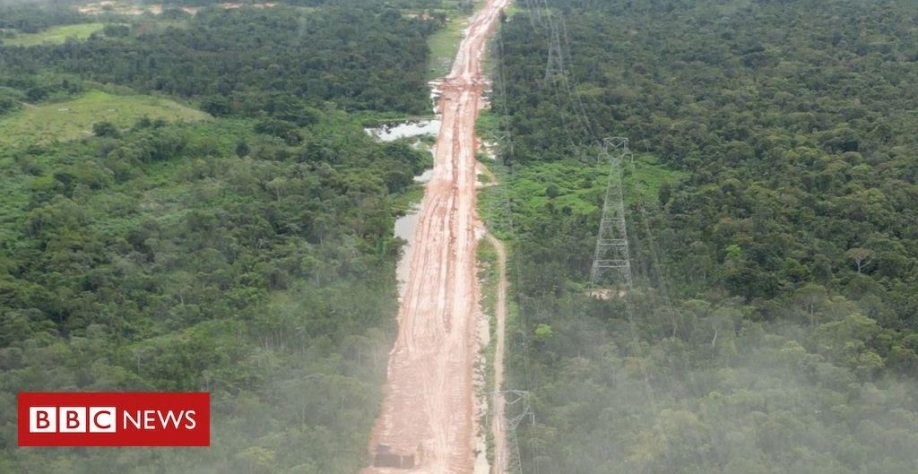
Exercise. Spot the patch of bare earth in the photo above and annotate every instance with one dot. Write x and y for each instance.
(428, 423)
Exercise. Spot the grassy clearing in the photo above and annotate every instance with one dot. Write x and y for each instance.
(493, 207)
(162, 189)
(409, 199)
(60, 122)
(73, 119)
(581, 187)
(444, 44)
(55, 35)
(488, 124)
(647, 175)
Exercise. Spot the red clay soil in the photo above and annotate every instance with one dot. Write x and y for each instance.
(428, 409)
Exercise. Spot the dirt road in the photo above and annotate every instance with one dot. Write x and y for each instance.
(428, 411)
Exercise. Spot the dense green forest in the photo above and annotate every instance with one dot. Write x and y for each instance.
(772, 213)
(771, 209)
(248, 253)
(33, 17)
(361, 59)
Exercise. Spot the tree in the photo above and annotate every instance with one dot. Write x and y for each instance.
(242, 149)
(104, 129)
(665, 193)
(811, 298)
(861, 256)
(543, 332)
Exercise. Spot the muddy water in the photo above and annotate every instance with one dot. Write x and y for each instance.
(405, 225)
(392, 132)
(404, 229)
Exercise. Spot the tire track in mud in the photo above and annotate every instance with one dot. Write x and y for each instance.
(428, 409)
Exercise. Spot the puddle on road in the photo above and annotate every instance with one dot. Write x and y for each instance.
(404, 228)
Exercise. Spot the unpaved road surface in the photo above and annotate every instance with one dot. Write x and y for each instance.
(428, 409)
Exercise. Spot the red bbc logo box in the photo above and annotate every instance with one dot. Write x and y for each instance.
(113, 419)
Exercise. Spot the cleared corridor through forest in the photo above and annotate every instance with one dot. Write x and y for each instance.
(428, 410)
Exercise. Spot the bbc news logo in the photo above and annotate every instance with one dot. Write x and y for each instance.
(72, 419)
(113, 419)
(103, 419)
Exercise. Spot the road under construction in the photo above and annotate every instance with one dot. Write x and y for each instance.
(428, 421)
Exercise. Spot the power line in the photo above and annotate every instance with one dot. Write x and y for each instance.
(501, 216)
(582, 109)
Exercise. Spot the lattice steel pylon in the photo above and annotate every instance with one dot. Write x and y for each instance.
(513, 398)
(612, 243)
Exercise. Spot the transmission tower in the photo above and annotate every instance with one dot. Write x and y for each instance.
(612, 242)
(554, 67)
(535, 11)
(514, 398)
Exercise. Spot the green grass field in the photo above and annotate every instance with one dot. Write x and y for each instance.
(64, 121)
(581, 186)
(488, 125)
(644, 178)
(55, 35)
(444, 44)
